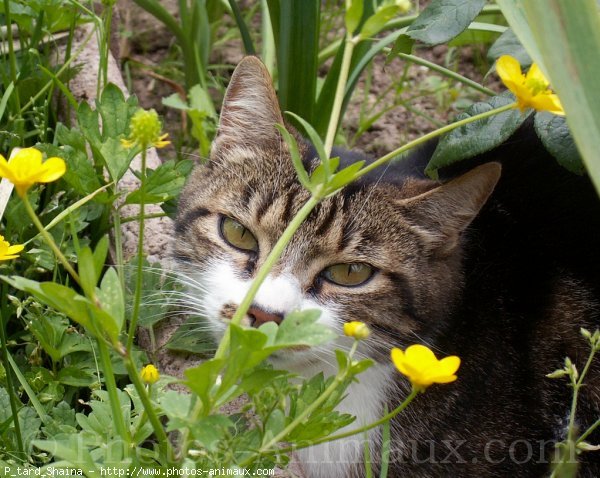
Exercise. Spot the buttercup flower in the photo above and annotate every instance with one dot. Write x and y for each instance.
(357, 330)
(422, 367)
(150, 374)
(531, 89)
(7, 251)
(145, 131)
(25, 168)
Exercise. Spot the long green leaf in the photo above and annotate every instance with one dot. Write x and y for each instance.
(243, 28)
(565, 41)
(297, 55)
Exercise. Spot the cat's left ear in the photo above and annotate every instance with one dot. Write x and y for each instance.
(443, 213)
(250, 108)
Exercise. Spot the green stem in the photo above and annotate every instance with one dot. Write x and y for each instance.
(104, 49)
(589, 431)
(159, 431)
(49, 240)
(339, 94)
(572, 429)
(446, 72)
(11, 390)
(339, 378)
(11, 52)
(113, 396)
(264, 270)
(428, 136)
(147, 216)
(140, 258)
(356, 431)
(118, 238)
(185, 433)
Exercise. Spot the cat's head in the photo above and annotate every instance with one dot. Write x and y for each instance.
(386, 253)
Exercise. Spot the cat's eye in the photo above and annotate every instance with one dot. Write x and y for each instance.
(349, 275)
(237, 235)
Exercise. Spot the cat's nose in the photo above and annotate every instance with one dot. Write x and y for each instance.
(260, 316)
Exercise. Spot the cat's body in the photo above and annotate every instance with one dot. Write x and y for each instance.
(504, 283)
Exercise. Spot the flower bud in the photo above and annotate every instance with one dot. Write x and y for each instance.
(357, 330)
(150, 374)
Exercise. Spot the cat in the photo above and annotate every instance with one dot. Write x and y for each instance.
(495, 263)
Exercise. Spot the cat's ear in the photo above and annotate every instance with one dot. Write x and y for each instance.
(443, 213)
(250, 108)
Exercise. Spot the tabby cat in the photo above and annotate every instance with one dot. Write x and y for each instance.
(496, 264)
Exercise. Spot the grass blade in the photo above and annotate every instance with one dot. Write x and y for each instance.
(297, 55)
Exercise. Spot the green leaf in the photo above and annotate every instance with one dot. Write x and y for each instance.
(297, 56)
(302, 328)
(443, 20)
(295, 153)
(354, 13)
(344, 177)
(116, 158)
(509, 44)
(342, 359)
(556, 137)
(88, 121)
(404, 44)
(49, 330)
(319, 175)
(361, 366)
(477, 137)
(114, 111)
(202, 379)
(80, 174)
(100, 253)
(162, 183)
(314, 139)
(377, 22)
(67, 301)
(209, 431)
(274, 425)
(111, 297)
(87, 271)
(75, 377)
(71, 449)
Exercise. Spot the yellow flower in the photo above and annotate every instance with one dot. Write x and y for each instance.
(145, 131)
(150, 374)
(532, 89)
(7, 251)
(357, 330)
(25, 168)
(422, 368)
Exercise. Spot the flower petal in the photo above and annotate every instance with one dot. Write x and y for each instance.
(51, 170)
(5, 170)
(509, 69)
(443, 378)
(448, 365)
(536, 74)
(548, 102)
(397, 358)
(15, 249)
(420, 355)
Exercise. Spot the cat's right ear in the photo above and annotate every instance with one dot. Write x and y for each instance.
(250, 108)
(443, 213)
